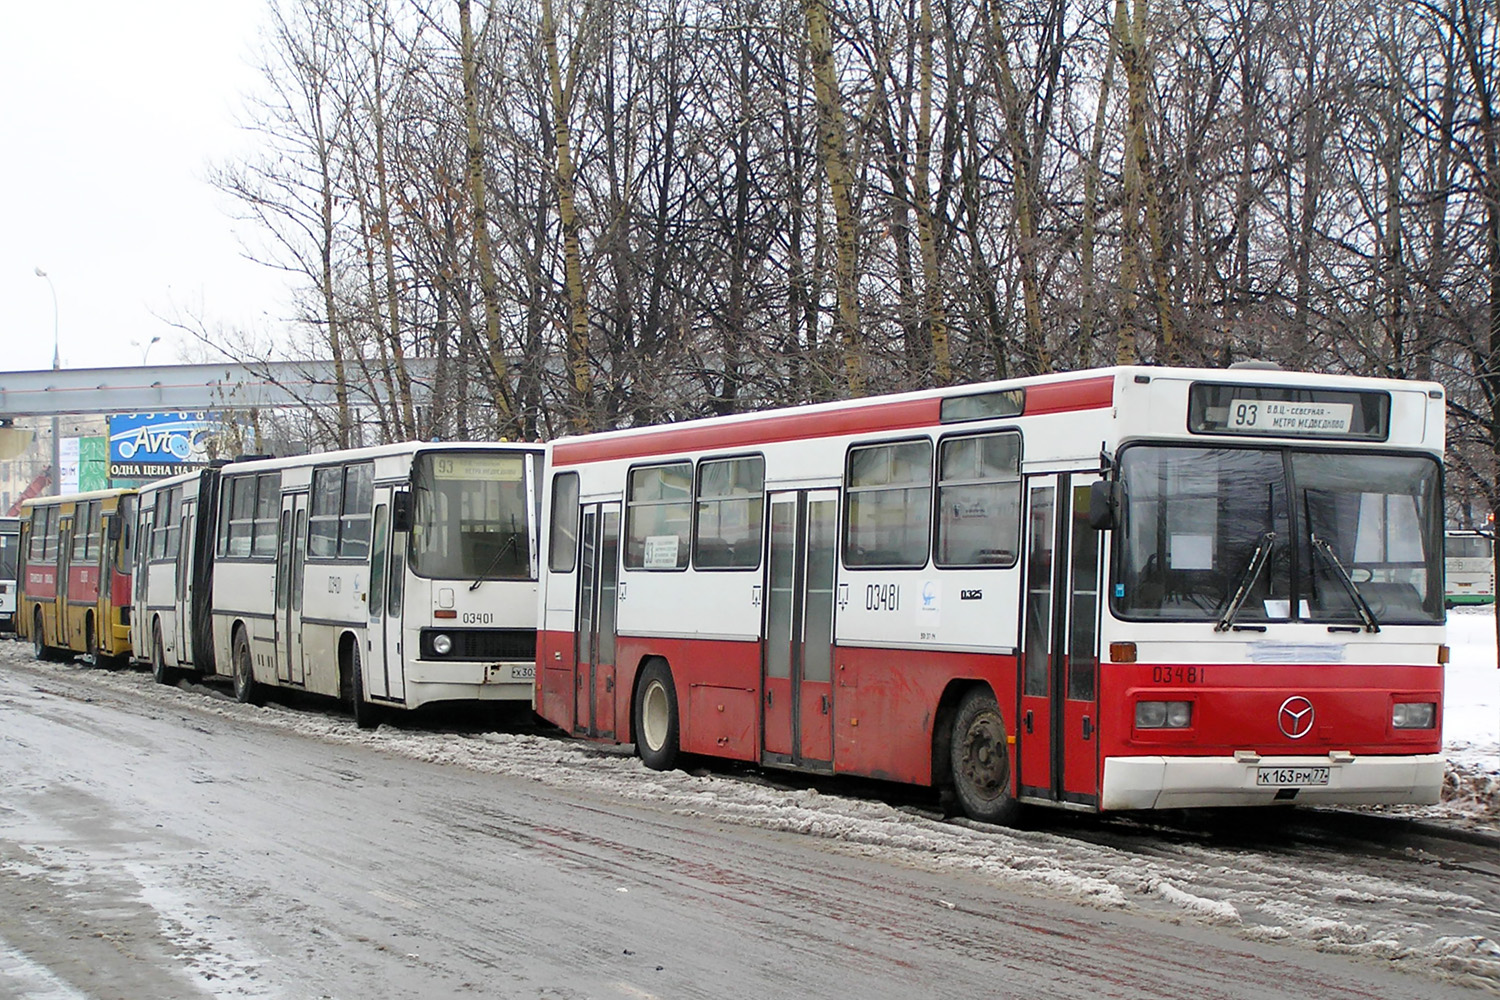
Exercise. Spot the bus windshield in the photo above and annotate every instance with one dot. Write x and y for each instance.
(1336, 537)
(470, 517)
(9, 549)
(1468, 547)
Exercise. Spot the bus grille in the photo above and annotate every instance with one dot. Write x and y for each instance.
(483, 643)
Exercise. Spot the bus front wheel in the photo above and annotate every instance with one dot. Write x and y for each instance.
(981, 760)
(366, 715)
(656, 724)
(246, 691)
(39, 647)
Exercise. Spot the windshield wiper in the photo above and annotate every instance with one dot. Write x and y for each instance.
(1247, 580)
(1361, 606)
(509, 546)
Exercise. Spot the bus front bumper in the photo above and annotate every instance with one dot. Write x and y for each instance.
(1330, 779)
(429, 681)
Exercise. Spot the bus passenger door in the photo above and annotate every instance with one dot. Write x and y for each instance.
(66, 588)
(377, 679)
(598, 583)
(395, 601)
(1057, 741)
(182, 585)
(797, 663)
(291, 553)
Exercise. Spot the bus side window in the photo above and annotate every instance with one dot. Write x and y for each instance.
(979, 500)
(730, 513)
(889, 498)
(563, 550)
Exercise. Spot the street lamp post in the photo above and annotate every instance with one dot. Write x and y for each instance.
(147, 349)
(56, 364)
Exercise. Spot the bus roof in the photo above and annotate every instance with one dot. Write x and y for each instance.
(77, 497)
(374, 451)
(1092, 389)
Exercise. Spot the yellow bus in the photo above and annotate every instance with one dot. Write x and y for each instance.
(76, 556)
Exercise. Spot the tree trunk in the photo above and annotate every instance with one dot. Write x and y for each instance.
(488, 285)
(834, 145)
(582, 403)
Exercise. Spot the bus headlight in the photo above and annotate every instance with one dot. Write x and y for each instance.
(1163, 714)
(1413, 715)
(442, 645)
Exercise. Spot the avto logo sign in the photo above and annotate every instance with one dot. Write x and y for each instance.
(1295, 717)
(150, 445)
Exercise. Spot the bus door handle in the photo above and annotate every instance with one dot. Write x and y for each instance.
(1088, 728)
(768, 697)
(825, 704)
(1027, 720)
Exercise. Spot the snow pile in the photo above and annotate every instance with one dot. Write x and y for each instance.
(1471, 727)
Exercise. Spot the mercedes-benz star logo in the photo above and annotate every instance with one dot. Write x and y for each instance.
(1295, 717)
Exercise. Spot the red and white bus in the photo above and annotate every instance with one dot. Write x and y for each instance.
(1129, 588)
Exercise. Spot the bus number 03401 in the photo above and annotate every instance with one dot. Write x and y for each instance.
(1178, 675)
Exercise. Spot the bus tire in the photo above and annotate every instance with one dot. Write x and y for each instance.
(91, 643)
(39, 647)
(366, 714)
(656, 719)
(981, 760)
(162, 673)
(246, 691)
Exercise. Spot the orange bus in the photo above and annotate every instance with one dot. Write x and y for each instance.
(76, 555)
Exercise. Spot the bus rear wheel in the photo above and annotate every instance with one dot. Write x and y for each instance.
(246, 691)
(981, 760)
(159, 669)
(656, 722)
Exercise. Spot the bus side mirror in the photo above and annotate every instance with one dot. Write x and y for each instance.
(401, 511)
(1104, 505)
(115, 529)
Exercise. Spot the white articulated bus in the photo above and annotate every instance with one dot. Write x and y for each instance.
(174, 564)
(388, 577)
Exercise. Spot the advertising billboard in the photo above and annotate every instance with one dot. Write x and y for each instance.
(153, 445)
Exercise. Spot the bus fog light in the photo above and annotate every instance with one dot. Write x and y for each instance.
(1413, 715)
(1163, 714)
(442, 645)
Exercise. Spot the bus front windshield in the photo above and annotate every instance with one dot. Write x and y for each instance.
(9, 551)
(470, 518)
(1337, 537)
(1468, 547)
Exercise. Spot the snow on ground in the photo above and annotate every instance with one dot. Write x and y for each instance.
(1471, 724)
(1326, 905)
(1364, 910)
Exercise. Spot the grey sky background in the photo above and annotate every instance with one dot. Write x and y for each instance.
(112, 116)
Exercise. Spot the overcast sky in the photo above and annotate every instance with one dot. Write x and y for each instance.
(112, 116)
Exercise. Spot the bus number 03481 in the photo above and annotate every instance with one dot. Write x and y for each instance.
(1178, 675)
